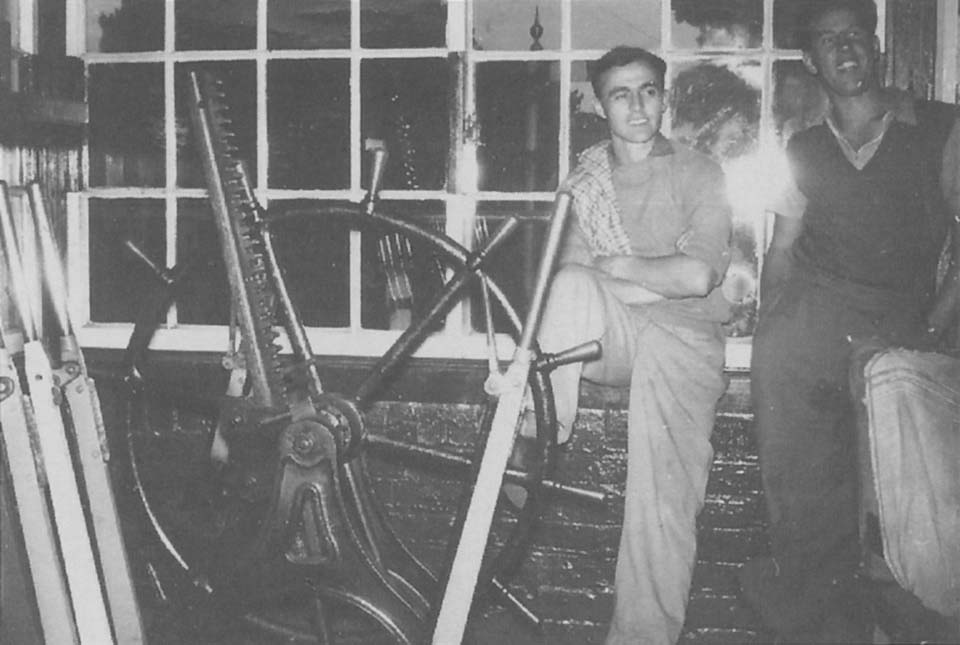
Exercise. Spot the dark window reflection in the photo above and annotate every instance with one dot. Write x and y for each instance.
(124, 25)
(789, 17)
(403, 23)
(515, 263)
(314, 251)
(600, 24)
(517, 110)
(216, 24)
(120, 283)
(308, 109)
(51, 27)
(404, 103)
(716, 107)
(239, 82)
(308, 24)
(126, 125)
(798, 100)
(717, 24)
(401, 275)
(516, 24)
(586, 126)
(204, 297)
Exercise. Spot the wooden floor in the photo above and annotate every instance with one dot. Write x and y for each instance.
(567, 579)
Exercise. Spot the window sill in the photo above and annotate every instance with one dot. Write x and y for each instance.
(426, 380)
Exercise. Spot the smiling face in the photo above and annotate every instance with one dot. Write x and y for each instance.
(843, 53)
(632, 101)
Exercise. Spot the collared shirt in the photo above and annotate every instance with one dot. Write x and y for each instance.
(791, 202)
(673, 201)
(860, 157)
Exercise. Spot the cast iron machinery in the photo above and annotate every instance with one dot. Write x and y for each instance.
(266, 512)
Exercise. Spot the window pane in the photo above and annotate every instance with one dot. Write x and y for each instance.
(225, 24)
(403, 23)
(239, 80)
(514, 265)
(717, 24)
(517, 110)
(788, 19)
(204, 297)
(516, 24)
(117, 277)
(798, 99)
(404, 103)
(308, 24)
(314, 251)
(601, 24)
(126, 125)
(308, 108)
(586, 126)
(51, 27)
(124, 26)
(401, 276)
(716, 107)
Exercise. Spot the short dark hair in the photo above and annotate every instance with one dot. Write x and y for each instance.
(865, 12)
(620, 56)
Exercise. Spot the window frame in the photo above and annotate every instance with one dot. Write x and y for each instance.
(457, 341)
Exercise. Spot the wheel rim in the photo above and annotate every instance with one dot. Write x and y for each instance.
(184, 543)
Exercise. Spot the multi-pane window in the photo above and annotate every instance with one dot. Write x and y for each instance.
(483, 106)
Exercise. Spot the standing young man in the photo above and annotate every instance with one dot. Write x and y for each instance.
(854, 254)
(647, 248)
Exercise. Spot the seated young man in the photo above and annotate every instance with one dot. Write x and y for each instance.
(645, 251)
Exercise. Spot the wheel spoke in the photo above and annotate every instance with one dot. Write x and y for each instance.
(170, 493)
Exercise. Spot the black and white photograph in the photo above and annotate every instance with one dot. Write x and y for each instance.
(479, 322)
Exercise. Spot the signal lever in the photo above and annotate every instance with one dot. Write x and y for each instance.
(588, 351)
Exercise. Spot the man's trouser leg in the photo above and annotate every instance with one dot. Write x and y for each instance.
(806, 438)
(579, 310)
(677, 380)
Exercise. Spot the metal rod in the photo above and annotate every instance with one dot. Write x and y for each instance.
(475, 532)
(386, 446)
(292, 323)
(18, 279)
(261, 391)
(408, 341)
(161, 273)
(545, 271)
(516, 604)
(379, 153)
(50, 259)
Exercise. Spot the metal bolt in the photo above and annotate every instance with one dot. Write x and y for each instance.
(304, 443)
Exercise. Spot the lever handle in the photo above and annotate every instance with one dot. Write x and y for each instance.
(379, 150)
(588, 351)
(162, 274)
